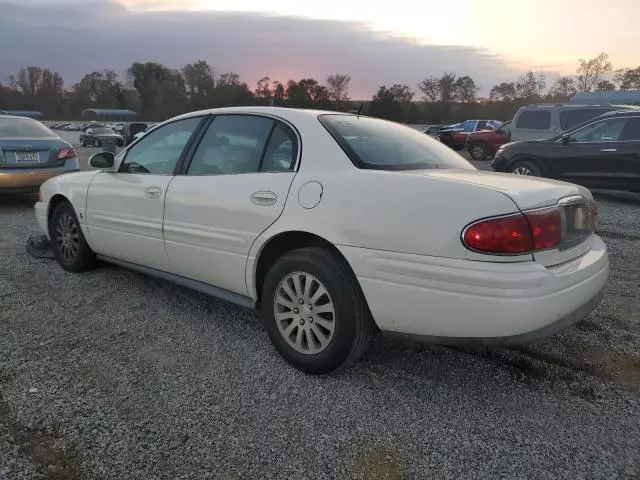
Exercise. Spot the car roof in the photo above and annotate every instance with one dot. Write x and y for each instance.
(627, 112)
(282, 112)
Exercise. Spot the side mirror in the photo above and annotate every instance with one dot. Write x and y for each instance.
(566, 139)
(102, 160)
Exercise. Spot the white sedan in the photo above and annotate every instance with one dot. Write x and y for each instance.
(334, 226)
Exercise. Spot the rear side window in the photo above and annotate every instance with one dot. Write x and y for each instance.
(534, 120)
(376, 144)
(571, 118)
(631, 130)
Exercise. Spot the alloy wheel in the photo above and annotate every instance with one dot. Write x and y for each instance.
(304, 313)
(522, 171)
(68, 237)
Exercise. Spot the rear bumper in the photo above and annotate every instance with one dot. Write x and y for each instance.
(452, 301)
(30, 179)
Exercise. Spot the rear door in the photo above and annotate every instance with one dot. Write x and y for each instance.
(233, 189)
(630, 147)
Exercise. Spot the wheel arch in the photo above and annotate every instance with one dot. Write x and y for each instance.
(528, 158)
(56, 200)
(285, 242)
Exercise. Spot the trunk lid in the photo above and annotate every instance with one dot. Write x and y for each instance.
(530, 193)
(30, 153)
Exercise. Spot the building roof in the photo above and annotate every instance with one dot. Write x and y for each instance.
(621, 97)
(22, 113)
(110, 112)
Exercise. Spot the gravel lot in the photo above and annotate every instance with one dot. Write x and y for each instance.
(113, 375)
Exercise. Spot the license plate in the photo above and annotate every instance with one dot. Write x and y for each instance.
(27, 157)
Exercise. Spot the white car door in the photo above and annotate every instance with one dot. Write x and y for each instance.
(233, 188)
(125, 209)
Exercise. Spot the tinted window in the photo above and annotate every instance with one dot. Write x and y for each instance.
(23, 128)
(281, 152)
(603, 131)
(137, 128)
(534, 120)
(484, 125)
(573, 117)
(158, 152)
(372, 143)
(101, 130)
(467, 126)
(631, 130)
(232, 144)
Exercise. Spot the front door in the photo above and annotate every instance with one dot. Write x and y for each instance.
(125, 209)
(232, 190)
(594, 156)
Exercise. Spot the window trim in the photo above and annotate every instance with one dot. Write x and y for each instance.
(600, 141)
(547, 111)
(185, 149)
(184, 166)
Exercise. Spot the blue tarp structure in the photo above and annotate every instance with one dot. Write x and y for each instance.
(109, 113)
(622, 97)
(22, 113)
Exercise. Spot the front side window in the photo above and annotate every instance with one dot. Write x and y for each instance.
(631, 130)
(468, 126)
(534, 120)
(159, 151)
(233, 144)
(603, 131)
(372, 143)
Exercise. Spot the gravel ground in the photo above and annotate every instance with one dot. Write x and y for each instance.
(114, 375)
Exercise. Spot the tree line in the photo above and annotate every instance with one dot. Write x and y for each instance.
(158, 92)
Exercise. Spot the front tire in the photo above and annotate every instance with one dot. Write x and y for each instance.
(314, 311)
(67, 241)
(526, 167)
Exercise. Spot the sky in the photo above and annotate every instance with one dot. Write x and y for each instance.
(375, 43)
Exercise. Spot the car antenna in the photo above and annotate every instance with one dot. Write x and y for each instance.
(360, 109)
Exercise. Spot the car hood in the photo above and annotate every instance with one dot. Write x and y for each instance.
(526, 192)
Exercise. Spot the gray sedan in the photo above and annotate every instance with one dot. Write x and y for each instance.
(30, 153)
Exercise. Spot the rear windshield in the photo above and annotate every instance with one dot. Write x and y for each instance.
(23, 128)
(137, 127)
(101, 130)
(377, 144)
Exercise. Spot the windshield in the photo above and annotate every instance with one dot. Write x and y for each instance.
(23, 128)
(101, 130)
(377, 144)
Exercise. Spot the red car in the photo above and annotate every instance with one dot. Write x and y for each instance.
(455, 136)
(481, 145)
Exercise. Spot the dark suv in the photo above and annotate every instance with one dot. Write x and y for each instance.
(603, 152)
(130, 129)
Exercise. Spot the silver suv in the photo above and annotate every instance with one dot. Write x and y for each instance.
(543, 121)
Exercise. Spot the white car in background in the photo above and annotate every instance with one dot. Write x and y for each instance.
(334, 226)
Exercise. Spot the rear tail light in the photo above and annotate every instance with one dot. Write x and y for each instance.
(65, 153)
(515, 234)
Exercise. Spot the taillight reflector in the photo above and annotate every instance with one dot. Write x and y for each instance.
(65, 153)
(515, 234)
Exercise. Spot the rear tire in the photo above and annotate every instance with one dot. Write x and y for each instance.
(67, 241)
(323, 322)
(526, 167)
(478, 151)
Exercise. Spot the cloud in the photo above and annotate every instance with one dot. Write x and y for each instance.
(74, 37)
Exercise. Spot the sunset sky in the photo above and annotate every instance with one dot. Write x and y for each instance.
(492, 40)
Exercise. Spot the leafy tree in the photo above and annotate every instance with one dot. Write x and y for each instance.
(338, 87)
(629, 79)
(466, 89)
(389, 102)
(528, 86)
(563, 87)
(430, 89)
(590, 71)
(199, 84)
(605, 86)
(307, 93)
(264, 92)
(504, 92)
(100, 89)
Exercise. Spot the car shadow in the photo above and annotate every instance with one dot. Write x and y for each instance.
(13, 201)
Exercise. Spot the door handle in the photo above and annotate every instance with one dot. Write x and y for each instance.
(609, 150)
(152, 192)
(264, 198)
